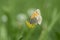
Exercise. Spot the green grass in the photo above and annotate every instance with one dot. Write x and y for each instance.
(14, 28)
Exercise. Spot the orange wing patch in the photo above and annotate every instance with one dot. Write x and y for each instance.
(35, 14)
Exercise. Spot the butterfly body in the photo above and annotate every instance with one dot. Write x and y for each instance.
(33, 21)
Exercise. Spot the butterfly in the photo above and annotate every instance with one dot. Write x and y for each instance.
(36, 17)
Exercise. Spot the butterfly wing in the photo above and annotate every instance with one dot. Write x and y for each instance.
(35, 14)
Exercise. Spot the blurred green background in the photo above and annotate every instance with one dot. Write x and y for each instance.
(14, 13)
